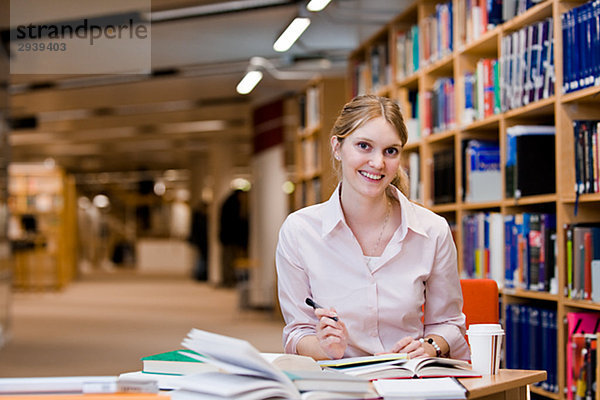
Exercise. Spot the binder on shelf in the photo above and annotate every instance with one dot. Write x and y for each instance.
(444, 190)
(529, 150)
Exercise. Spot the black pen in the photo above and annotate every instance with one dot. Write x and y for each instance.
(314, 305)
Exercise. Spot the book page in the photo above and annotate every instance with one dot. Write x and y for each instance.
(232, 386)
(431, 388)
(355, 361)
(236, 356)
(291, 362)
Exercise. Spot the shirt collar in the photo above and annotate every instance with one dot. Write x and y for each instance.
(409, 215)
(332, 212)
(333, 215)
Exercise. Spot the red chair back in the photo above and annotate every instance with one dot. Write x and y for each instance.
(480, 301)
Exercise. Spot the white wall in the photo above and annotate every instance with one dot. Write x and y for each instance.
(268, 209)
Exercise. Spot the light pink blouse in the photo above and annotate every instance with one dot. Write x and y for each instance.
(319, 257)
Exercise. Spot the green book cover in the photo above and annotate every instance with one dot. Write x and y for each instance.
(175, 355)
(176, 362)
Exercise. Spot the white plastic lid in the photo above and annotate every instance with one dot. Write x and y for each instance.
(485, 329)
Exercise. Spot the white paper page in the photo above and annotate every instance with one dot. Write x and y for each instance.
(431, 388)
(228, 385)
(234, 355)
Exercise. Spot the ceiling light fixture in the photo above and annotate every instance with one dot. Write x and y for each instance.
(291, 34)
(258, 64)
(249, 81)
(317, 5)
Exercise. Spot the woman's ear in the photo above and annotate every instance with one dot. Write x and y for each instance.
(335, 147)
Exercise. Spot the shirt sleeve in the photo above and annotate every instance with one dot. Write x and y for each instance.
(293, 288)
(443, 304)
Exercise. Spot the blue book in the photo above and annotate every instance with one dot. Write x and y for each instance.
(494, 11)
(550, 81)
(509, 251)
(553, 350)
(596, 42)
(482, 171)
(545, 361)
(524, 229)
(564, 21)
(524, 336)
(469, 112)
(576, 49)
(535, 332)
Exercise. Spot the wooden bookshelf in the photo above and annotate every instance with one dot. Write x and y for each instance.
(318, 106)
(556, 109)
(43, 226)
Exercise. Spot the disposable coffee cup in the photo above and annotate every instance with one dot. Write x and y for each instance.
(485, 341)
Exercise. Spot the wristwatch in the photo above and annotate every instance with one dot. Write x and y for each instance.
(438, 351)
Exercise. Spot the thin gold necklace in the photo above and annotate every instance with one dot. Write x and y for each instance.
(388, 212)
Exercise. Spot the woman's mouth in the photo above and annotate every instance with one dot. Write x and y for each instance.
(369, 175)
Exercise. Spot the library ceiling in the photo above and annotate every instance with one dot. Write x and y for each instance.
(171, 112)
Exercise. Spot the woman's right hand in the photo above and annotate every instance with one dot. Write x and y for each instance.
(332, 335)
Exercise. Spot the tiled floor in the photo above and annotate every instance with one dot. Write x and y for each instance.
(103, 323)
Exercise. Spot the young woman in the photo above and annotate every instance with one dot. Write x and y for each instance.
(386, 267)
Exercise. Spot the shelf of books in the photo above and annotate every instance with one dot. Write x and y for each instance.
(502, 103)
(41, 226)
(318, 107)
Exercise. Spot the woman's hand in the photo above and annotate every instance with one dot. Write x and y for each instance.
(332, 335)
(413, 347)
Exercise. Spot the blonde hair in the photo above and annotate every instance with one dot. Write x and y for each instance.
(361, 110)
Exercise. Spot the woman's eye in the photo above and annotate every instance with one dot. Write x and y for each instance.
(391, 151)
(363, 145)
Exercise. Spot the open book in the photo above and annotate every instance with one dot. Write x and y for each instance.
(363, 360)
(248, 374)
(414, 368)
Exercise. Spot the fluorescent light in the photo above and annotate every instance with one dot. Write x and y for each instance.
(248, 82)
(317, 5)
(291, 34)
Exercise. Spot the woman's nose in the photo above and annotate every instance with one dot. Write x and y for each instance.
(376, 160)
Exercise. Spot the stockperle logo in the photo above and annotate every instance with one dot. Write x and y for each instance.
(87, 41)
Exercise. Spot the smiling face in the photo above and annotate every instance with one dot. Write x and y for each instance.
(370, 157)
